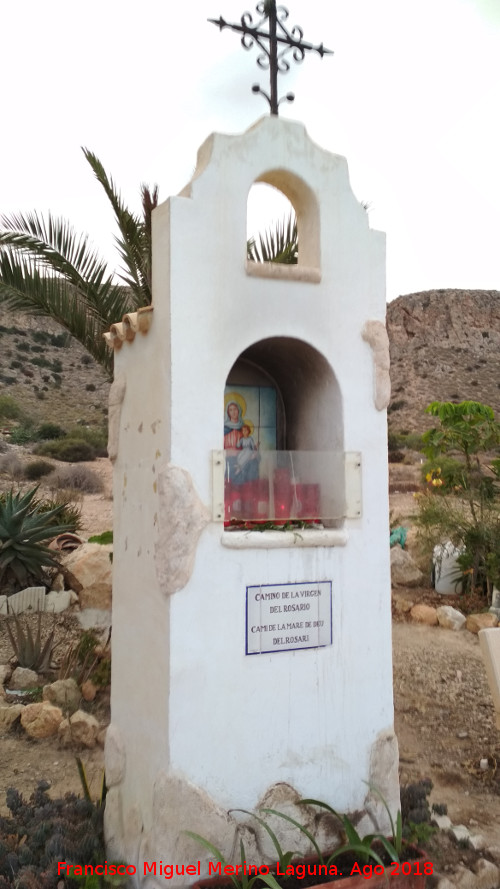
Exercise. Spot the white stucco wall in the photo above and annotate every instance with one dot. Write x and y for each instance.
(187, 704)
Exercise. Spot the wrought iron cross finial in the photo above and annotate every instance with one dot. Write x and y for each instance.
(273, 44)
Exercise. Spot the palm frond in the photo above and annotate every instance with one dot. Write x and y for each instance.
(278, 244)
(133, 244)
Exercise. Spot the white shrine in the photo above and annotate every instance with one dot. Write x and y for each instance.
(251, 592)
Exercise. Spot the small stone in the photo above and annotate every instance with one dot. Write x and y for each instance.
(460, 832)
(424, 614)
(403, 606)
(80, 729)
(23, 679)
(73, 597)
(89, 690)
(442, 821)
(462, 735)
(8, 715)
(445, 883)
(450, 618)
(477, 842)
(494, 851)
(483, 764)
(464, 878)
(57, 601)
(57, 583)
(41, 720)
(404, 571)
(64, 693)
(484, 621)
(487, 874)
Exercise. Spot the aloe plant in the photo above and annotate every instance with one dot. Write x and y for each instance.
(23, 530)
(31, 652)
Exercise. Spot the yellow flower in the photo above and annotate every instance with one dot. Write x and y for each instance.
(428, 477)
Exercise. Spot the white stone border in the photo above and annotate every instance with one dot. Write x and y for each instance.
(283, 539)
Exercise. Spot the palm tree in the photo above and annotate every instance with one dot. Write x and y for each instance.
(47, 269)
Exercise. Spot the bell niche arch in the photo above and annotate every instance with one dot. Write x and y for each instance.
(283, 437)
(306, 207)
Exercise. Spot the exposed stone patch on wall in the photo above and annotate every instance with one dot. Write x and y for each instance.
(375, 334)
(116, 396)
(181, 518)
(115, 760)
(383, 784)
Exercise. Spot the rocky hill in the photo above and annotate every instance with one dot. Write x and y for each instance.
(49, 374)
(445, 346)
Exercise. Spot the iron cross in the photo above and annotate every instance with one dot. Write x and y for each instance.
(274, 44)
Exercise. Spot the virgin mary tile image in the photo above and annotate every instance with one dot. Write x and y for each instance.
(249, 427)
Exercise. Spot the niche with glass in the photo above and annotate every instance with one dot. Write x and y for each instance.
(283, 459)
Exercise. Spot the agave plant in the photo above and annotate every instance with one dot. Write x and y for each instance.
(23, 530)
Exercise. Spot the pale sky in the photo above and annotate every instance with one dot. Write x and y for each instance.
(410, 97)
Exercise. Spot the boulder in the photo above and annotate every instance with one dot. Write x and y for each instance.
(41, 720)
(484, 621)
(450, 617)
(5, 674)
(8, 715)
(91, 567)
(81, 729)
(424, 614)
(22, 679)
(404, 570)
(64, 693)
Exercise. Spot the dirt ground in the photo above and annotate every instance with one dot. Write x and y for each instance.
(444, 713)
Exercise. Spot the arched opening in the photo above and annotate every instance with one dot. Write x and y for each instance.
(283, 436)
(276, 199)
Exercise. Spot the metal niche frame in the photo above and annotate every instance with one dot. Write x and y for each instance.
(274, 45)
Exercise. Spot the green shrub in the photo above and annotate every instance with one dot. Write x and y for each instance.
(467, 509)
(40, 336)
(60, 340)
(23, 347)
(9, 408)
(41, 362)
(23, 434)
(14, 364)
(69, 450)
(97, 437)
(50, 432)
(90, 387)
(37, 469)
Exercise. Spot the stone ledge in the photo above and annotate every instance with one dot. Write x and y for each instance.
(283, 539)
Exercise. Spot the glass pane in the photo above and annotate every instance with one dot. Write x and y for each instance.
(282, 486)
